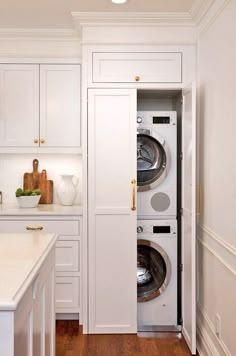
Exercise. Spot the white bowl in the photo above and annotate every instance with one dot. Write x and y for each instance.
(30, 201)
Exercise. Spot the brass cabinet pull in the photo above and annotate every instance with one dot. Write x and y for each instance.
(137, 78)
(42, 140)
(199, 202)
(133, 182)
(36, 140)
(33, 228)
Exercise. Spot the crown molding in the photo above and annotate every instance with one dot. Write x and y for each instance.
(199, 10)
(82, 19)
(38, 34)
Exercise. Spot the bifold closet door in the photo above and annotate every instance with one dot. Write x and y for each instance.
(112, 250)
(189, 217)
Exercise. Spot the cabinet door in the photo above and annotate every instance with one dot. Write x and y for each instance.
(60, 105)
(189, 217)
(149, 67)
(112, 222)
(19, 105)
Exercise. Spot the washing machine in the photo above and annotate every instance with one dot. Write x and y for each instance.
(157, 275)
(157, 164)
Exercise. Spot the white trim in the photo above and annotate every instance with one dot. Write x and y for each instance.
(211, 15)
(131, 18)
(224, 255)
(199, 9)
(38, 34)
(208, 344)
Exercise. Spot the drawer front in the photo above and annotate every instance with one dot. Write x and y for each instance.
(67, 227)
(158, 67)
(67, 292)
(67, 256)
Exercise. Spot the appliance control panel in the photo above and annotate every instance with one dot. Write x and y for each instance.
(156, 118)
(164, 228)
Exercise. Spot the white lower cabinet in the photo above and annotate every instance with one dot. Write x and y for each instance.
(68, 260)
(34, 318)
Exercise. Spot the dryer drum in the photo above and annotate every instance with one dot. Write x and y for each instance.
(151, 160)
(153, 270)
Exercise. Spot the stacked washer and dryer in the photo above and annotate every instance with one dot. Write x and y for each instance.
(157, 224)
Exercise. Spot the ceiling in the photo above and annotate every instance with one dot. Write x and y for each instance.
(56, 14)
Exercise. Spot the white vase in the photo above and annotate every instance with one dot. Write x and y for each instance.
(66, 190)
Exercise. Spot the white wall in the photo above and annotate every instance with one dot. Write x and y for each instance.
(217, 231)
(13, 167)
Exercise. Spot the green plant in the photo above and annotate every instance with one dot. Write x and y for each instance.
(20, 192)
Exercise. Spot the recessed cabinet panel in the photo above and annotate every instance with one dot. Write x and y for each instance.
(149, 67)
(112, 211)
(67, 256)
(67, 292)
(59, 105)
(19, 105)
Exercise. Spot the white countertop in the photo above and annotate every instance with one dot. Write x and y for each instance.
(21, 255)
(41, 209)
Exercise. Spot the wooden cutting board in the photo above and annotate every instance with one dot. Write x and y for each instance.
(46, 187)
(31, 180)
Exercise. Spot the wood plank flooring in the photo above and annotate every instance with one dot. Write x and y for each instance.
(71, 342)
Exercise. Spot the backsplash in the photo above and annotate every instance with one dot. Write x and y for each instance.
(13, 167)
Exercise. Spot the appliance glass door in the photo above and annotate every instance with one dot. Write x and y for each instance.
(153, 270)
(151, 160)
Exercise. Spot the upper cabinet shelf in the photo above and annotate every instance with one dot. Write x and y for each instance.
(40, 107)
(143, 67)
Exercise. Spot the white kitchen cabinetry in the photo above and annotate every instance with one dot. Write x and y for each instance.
(112, 211)
(27, 306)
(39, 106)
(144, 67)
(60, 105)
(68, 258)
(19, 104)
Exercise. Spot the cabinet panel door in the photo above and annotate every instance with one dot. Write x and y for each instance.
(67, 256)
(19, 105)
(112, 222)
(60, 105)
(189, 217)
(149, 67)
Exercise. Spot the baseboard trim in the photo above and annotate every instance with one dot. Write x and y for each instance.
(65, 316)
(208, 344)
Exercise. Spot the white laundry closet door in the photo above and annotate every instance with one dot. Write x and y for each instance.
(112, 236)
(189, 217)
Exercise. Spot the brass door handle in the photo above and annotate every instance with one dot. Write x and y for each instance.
(137, 78)
(133, 182)
(33, 228)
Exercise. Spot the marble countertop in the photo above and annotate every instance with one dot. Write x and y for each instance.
(41, 209)
(21, 255)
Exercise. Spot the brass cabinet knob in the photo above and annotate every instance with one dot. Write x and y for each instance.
(36, 140)
(42, 140)
(137, 78)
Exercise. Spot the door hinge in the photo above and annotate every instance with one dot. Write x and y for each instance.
(181, 100)
(181, 211)
(181, 267)
(181, 156)
(181, 321)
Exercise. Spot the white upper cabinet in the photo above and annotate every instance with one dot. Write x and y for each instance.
(39, 106)
(112, 211)
(60, 105)
(143, 67)
(19, 105)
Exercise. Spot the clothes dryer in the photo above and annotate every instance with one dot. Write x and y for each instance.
(157, 164)
(157, 274)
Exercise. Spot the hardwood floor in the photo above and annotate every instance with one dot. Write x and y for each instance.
(71, 342)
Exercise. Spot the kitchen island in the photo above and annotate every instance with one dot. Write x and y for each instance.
(27, 299)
